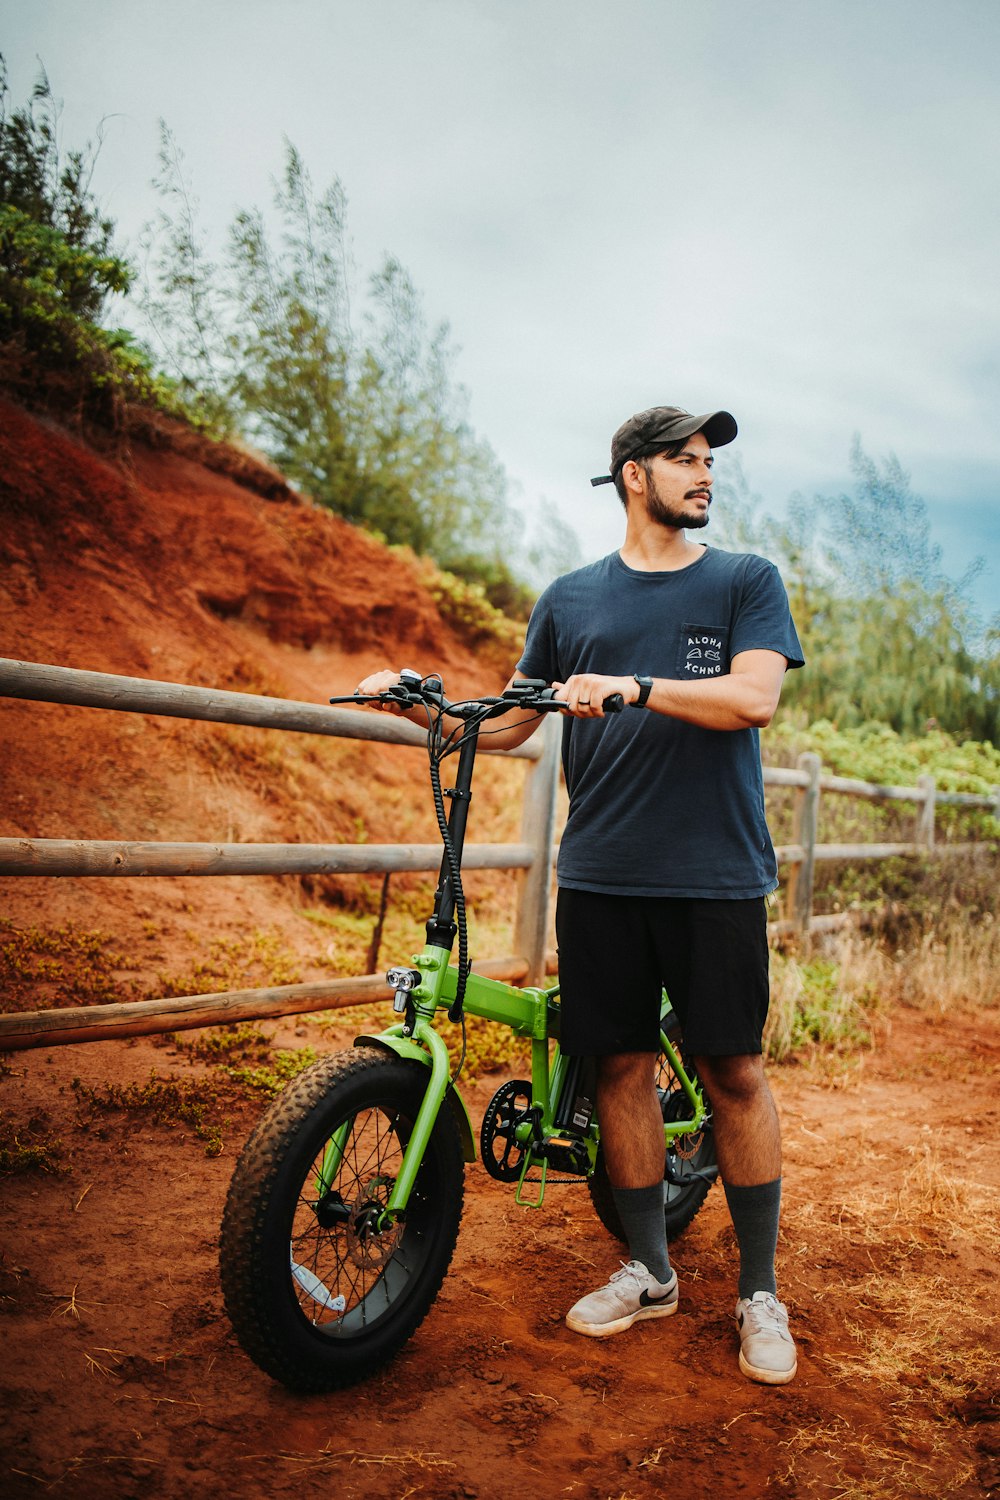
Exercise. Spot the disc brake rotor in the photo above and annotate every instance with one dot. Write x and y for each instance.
(368, 1247)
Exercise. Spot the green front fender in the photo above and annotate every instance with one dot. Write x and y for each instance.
(403, 1047)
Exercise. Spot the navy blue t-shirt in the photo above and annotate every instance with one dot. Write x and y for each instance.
(659, 807)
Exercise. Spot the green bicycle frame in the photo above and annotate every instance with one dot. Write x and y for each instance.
(532, 1013)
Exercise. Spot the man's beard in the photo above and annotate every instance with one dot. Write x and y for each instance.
(665, 514)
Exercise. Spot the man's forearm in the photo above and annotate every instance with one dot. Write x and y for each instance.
(743, 698)
(730, 702)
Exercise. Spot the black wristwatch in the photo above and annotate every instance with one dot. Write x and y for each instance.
(645, 686)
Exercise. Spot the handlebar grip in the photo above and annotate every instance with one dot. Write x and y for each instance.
(614, 704)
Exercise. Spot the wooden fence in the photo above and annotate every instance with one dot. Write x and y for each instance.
(533, 855)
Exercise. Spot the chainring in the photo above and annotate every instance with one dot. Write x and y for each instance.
(503, 1154)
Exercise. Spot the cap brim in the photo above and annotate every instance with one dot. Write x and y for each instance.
(719, 428)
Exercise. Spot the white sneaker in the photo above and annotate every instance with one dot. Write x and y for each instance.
(767, 1351)
(632, 1293)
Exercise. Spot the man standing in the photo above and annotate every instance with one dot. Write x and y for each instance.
(666, 858)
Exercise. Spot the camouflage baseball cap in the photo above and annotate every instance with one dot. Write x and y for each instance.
(649, 432)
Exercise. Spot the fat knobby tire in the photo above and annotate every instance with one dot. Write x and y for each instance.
(276, 1215)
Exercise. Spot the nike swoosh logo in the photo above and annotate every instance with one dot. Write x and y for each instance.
(645, 1300)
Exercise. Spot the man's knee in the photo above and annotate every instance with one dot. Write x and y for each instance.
(625, 1072)
(737, 1079)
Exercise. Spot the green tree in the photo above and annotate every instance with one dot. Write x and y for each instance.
(359, 408)
(40, 186)
(290, 345)
(180, 300)
(60, 276)
(887, 635)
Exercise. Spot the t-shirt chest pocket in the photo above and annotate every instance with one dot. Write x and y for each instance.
(703, 651)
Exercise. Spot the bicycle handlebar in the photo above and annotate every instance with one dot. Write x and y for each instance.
(530, 693)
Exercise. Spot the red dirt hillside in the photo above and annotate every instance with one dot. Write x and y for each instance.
(161, 567)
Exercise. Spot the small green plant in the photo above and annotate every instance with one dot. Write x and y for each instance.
(166, 1101)
(467, 609)
(28, 1147)
(244, 1054)
(66, 966)
(268, 1079)
(489, 1048)
(226, 1045)
(246, 962)
(811, 1008)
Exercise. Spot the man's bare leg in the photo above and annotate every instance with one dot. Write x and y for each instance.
(631, 1124)
(747, 1133)
(748, 1144)
(632, 1140)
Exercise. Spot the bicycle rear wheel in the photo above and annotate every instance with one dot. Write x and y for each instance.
(684, 1192)
(318, 1296)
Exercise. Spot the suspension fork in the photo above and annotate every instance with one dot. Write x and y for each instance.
(438, 1083)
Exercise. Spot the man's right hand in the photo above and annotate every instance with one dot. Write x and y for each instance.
(378, 682)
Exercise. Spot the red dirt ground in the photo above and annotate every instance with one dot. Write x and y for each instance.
(120, 1376)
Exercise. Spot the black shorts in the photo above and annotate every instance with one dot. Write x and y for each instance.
(617, 952)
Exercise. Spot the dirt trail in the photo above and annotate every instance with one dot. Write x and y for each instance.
(122, 1378)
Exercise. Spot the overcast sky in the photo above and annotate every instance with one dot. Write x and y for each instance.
(789, 208)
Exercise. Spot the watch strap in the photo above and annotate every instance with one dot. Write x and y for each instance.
(645, 687)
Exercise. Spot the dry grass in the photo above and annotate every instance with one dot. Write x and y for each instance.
(955, 965)
(835, 995)
(908, 1464)
(928, 1206)
(815, 1005)
(331, 1458)
(921, 1343)
(917, 1227)
(922, 1349)
(929, 1343)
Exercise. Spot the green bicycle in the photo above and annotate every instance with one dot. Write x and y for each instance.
(344, 1208)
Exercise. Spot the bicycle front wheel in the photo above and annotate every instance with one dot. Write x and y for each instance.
(685, 1188)
(318, 1295)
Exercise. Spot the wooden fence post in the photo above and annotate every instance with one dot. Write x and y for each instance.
(925, 817)
(538, 826)
(800, 885)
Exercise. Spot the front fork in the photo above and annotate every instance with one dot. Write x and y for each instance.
(438, 1083)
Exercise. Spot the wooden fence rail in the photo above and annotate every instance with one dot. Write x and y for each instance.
(534, 855)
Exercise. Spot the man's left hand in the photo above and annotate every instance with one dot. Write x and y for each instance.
(585, 693)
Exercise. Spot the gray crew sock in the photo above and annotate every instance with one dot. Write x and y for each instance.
(641, 1213)
(754, 1212)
